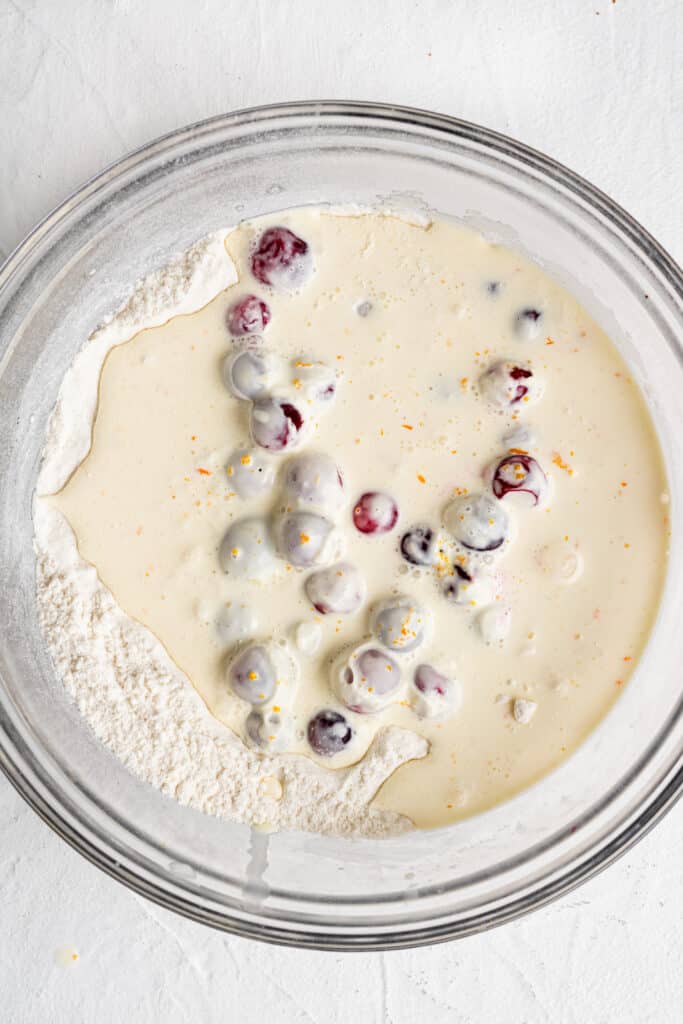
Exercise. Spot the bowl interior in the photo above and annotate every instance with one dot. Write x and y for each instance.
(77, 267)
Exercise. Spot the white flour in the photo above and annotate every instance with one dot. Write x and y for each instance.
(132, 695)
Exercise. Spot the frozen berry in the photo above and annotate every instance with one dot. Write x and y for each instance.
(366, 679)
(249, 315)
(469, 587)
(506, 384)
(303, 538)
(281, 259)
(276, 423)
(249, 473)
(253, 675)
(520, 435)
(494, 624)
(375, 512)
(328, 733)
(529, 323)
(338, 590)
(418, 545)
(236, 623)
(315, 380)
(477, 521)
(400, 623)
(250, 373)
(267, 730)
(247, 550)
(314, 480)
(433, 694)
(519, 474)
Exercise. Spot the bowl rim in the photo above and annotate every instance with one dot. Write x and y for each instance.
(654, 256)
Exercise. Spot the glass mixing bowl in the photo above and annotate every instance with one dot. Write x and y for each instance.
(311, 890)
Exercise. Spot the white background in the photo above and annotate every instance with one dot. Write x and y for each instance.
(596, 84)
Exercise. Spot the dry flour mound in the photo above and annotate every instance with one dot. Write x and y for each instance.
(131, 693)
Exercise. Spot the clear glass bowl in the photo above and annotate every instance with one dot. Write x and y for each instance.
(293, 888)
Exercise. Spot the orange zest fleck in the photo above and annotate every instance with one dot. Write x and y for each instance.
(549, 341)
(518, 451)
(421, 478)
(406, 426)
(204, 472)
(559, 461)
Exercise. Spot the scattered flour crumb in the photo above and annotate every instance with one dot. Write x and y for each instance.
(524, 710)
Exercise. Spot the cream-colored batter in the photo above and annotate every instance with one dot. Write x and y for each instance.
(407, 317)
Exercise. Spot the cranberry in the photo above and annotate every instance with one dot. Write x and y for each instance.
(477, 522)
(328, 733)
(435, 695)
(528, 323)
(518, 373)
(375, 513)
(469, 587)
(253, 674)
(366, 680)
(519, 474)
(428, 680)
(494, 624)
(315, 380)
(267, 730)
(418, 545)
(281, 259)
(303, 538)
(313, 479)
(454, 589)
(505, 384)
(246, 550)
(249, 473)
(250, 372)
(276, 423)
(400, 623)
(249, 315)
(338, 590)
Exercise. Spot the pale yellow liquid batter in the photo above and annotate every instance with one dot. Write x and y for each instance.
(152, 501)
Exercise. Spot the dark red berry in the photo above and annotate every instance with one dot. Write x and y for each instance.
(428, 680)
(275, 423)
(518, 373)
(519, 474)
(528, 323)
(418, 545)
(249, 315)
(281, 259)
(375, 512)
(328, 732)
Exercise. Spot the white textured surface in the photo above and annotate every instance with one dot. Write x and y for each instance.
(597, 85)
